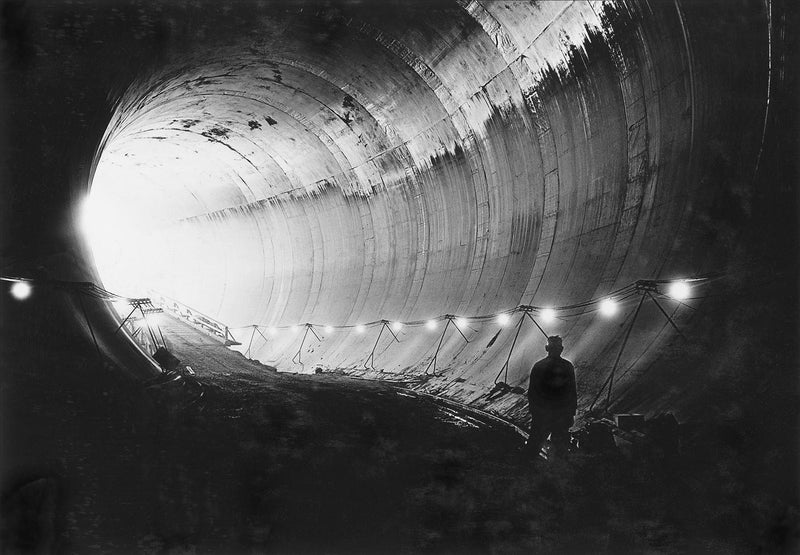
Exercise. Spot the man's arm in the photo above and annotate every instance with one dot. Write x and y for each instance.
(573, 389)
(533, 384)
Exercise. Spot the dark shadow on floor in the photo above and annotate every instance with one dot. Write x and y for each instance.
(269, 463)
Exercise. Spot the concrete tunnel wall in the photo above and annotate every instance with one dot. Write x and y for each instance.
(348, 164)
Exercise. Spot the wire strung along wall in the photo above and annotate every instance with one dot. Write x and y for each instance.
(539, 317)
(141, 323)
(140, 308)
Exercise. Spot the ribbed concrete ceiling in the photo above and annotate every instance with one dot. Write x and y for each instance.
(361, 162)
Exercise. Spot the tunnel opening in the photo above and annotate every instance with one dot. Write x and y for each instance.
(250, 182)
(319, 178)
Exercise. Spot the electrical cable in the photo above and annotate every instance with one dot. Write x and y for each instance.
(619, 296)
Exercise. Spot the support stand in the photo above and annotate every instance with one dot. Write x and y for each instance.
(150, 329)
(264, 337)
(664, 312)
(250, 344)
(309, 328)
(126, 319)
(230, 339)
(369, 363)
(526, 311)
(449, 318)
(645, 288)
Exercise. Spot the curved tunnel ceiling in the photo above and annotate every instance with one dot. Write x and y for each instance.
(350, 164)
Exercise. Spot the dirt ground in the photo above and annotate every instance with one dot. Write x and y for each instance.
(273, 463)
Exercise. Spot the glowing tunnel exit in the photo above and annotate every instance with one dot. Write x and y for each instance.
(124, 234)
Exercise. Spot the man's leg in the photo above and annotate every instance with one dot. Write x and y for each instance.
(540, 429)
(560, 437)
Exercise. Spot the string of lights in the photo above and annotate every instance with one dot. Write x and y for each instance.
(679, 290)
(22, 288)
(607, 305)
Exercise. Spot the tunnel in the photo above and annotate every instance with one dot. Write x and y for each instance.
(418, 193)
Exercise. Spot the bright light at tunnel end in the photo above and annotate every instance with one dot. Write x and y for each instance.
(123, 230)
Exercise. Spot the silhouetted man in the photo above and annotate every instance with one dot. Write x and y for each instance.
(552, 399)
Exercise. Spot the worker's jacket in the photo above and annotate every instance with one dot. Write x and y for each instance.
(552, 385)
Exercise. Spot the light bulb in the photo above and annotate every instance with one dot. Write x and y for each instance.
(679, 290)
(548, 315)
(608, 307)
(21, 290)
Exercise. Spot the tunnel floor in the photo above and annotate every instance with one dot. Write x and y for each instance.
(282, 463)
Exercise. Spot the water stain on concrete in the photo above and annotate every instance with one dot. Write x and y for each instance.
(216, 131)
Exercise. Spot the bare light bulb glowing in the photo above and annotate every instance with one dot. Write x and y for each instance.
(21, 290)
(608, 307)
(679, 290)
(328, 329)
(548, 315)
(397, 326)
(461, 322)
(503, 319)
(360, 328)
(431, 324)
